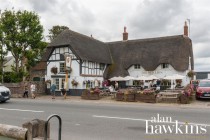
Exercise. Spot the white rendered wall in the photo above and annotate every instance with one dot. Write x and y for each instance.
(158, 72)
(75, 74)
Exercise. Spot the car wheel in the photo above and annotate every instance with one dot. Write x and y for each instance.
(197, 98)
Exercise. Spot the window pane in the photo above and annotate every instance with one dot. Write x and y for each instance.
(101, 66)
(62, 69)
(62, 83)
(137, 66)
(57, 83)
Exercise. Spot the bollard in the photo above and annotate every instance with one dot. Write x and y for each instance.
(36, 129)
(13, 132)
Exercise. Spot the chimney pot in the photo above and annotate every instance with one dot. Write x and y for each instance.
(124, 29)
(185, 29)
(125, 34)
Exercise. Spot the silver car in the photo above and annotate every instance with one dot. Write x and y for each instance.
(5, 93)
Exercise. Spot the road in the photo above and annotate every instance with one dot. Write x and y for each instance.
(107, 121)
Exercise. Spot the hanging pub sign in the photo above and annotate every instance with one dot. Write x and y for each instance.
(68, 62)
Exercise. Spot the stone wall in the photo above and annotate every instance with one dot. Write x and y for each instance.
(17, 89)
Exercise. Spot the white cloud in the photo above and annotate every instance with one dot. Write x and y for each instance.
(105, 19)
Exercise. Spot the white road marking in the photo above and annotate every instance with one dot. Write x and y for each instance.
(109, 117)
(144, 120)
(77, 124)
(21, 110)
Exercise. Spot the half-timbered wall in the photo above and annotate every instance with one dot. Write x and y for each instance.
(92, 68)
(82, 71)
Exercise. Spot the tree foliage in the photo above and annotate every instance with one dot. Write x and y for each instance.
(53, 33)
(3, 50)
(22, 35)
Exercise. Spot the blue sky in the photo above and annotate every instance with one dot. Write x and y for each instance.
(105, 19)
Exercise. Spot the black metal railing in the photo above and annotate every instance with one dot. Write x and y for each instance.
(59, 129)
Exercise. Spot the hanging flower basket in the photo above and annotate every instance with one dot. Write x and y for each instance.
(74, 83)
(54, 70)
(48, 81)
(84, 82)
(191, 74)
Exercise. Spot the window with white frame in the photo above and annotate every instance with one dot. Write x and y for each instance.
(62, 83)
(137, 66)
(92, 68)
(62, 67)
(57, 83)
(164, 65)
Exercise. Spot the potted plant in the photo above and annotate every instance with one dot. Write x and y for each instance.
(54, 70)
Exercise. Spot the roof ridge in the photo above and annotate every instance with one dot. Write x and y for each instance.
(84, 35)
(147, 39)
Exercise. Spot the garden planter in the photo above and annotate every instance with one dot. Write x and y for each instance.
(90, 95)
(168, 97)
(119, 96)
(93, 96)
(184, 99)
(129, 97)
(85, 94)
(147, 98)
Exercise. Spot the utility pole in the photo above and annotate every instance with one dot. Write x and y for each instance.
(189, 25)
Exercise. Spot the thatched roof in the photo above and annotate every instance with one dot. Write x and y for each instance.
(120, 55)
(150, 53)
(86, 48)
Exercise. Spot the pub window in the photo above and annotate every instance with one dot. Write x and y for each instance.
(57, 83)
(62, 83)
(137, 66)
(62, 67)
(101, 66)
(165, 65)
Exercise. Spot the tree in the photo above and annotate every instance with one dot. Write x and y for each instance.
(3, 50)
(23, 36)
(53, 33)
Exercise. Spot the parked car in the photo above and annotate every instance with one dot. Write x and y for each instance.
(5, 93)
(203, 89)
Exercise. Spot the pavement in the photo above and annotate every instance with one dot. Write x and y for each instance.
(109, 100)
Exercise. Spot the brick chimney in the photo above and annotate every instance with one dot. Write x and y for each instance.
(125, 34)
(185, 29)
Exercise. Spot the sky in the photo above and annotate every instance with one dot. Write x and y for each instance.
(105, 19)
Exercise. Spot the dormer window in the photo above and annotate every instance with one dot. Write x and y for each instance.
(164, 65)
(137, 66)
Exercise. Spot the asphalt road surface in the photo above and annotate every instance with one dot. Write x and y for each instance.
(111, 121)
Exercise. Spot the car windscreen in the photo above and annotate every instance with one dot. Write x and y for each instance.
(204, 84)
